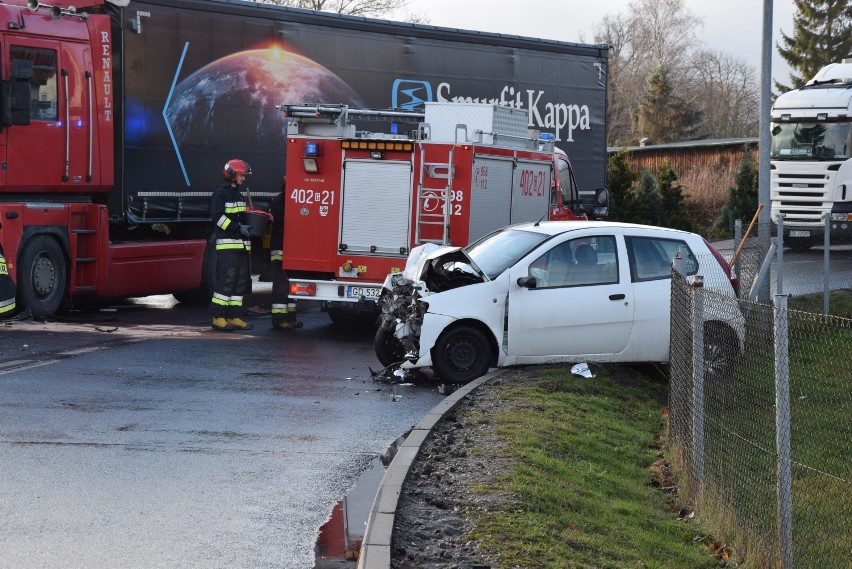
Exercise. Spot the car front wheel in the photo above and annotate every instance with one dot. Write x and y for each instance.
(389, 349)
(461, 355)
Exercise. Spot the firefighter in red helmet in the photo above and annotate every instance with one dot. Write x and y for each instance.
(233, 249)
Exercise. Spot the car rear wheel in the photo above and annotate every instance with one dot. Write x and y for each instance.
(721, 351)
(461, 355)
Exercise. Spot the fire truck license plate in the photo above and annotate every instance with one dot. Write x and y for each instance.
(798, 233)
(359, 291)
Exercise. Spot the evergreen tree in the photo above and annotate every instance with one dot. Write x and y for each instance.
(649, 199)
(621, 179)
(822, 34)
(743, 195)
(663, 116)
(672, 201)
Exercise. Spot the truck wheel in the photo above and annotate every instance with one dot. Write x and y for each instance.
(461, 355)
(388, 347)
(41, 276)
(352, 319)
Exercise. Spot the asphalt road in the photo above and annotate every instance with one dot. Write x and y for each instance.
(803, 271)
(140, 438)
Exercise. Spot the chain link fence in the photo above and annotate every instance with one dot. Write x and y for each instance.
(767, 264)
(761, 418)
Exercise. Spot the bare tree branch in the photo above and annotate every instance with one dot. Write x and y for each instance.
(656, 34)
(367, 8)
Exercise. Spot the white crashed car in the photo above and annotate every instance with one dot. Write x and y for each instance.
(548, 292)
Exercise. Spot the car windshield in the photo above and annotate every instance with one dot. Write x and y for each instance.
(497, 252)
(811, 141)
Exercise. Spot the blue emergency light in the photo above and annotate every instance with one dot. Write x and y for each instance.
(313, 149)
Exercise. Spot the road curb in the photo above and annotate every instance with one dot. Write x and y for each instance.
(376, 546)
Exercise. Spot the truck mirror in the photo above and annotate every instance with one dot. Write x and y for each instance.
(601, 207)
(527, 282)
(21, 70)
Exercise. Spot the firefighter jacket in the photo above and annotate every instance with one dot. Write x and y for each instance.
(228, 212)
(276, 240)
(7, 288)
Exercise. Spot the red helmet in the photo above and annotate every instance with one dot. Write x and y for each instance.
(234, 167)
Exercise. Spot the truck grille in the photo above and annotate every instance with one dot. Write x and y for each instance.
(801, 194)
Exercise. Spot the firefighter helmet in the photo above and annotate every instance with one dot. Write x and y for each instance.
(234, 167)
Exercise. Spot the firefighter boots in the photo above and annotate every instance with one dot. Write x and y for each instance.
(239, 324)
(285, 318)
(222, 325)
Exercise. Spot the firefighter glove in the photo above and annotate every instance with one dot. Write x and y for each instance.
(244, 230)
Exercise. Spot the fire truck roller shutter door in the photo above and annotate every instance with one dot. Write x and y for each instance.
(363, 196)
(490, 195)
(530, 190)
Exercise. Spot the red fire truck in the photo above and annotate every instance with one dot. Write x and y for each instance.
(358, 201)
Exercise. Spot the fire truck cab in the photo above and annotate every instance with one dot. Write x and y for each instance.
(358, 201)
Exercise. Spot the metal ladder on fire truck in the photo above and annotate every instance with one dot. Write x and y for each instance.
(439, 215)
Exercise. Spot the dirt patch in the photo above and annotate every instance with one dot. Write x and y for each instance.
(430, 529)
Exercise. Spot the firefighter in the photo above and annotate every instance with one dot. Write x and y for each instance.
(7, 287)
(283, 311)
(233, 249)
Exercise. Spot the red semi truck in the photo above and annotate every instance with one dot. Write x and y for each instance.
(357, 201)
(117, 118)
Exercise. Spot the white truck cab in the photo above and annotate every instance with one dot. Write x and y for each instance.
(811, 168)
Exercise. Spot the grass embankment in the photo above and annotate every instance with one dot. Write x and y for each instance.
(582, 491)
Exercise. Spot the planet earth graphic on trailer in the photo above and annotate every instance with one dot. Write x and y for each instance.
(234, 98)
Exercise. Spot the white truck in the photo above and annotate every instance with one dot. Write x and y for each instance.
(811, 168)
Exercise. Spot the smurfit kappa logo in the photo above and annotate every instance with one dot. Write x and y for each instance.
(410, 94)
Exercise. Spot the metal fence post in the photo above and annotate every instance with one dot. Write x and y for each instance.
(826, 248)
(779, 269)
(679, 261)
(697, 294)
(782, 433)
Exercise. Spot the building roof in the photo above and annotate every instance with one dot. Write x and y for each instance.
(686, 144)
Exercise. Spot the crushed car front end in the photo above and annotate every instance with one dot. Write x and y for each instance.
(408, 296)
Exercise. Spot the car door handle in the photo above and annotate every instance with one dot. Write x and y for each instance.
(616, 297)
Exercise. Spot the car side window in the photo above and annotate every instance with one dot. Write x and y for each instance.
(651, 257)
(579, 262)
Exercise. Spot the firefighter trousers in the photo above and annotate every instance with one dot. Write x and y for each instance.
(283, 311)
(232, 283)
(7, 289)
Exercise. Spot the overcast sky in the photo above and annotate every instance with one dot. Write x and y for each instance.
(731, 26)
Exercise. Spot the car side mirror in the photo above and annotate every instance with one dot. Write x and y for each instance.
(527, 282)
